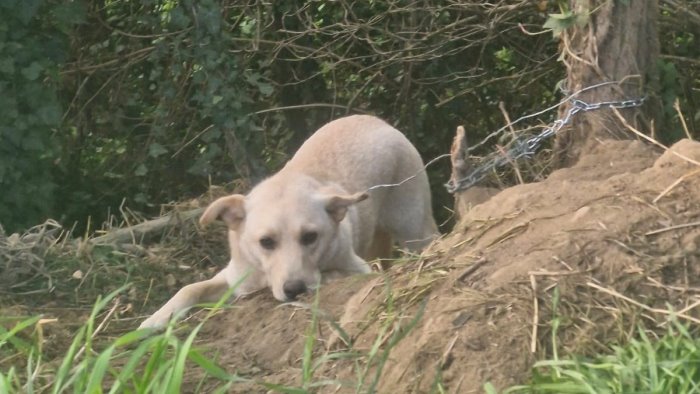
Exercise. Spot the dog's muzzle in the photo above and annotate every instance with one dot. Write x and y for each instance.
(292, 288)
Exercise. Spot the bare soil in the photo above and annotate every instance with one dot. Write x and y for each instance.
(595, 233)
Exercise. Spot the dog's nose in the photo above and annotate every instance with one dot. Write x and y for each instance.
(292, 288)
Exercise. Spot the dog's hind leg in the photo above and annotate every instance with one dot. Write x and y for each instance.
(210, 290)
(410, 218)
(380, 247)
(419, 240)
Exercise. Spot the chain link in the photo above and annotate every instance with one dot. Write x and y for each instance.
(526, 148)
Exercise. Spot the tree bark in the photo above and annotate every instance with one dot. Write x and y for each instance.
(475, 195)
(619, 43)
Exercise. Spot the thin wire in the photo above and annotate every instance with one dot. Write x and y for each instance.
(411, 177)
(555, 106)
(522, 148)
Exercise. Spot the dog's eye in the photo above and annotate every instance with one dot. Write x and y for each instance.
(308, 237)
(267, 243)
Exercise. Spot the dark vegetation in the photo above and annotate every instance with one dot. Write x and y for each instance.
(108, 104)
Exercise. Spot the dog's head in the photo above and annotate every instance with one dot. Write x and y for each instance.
(286, 230)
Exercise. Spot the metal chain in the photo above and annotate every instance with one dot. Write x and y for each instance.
(527, 147)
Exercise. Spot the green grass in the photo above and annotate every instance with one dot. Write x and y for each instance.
(666, 365)
(139, 361)
(145, 361)
(368, 365)
(148, 362)
(40, 355)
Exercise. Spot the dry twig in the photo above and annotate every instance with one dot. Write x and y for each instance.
(643, 306)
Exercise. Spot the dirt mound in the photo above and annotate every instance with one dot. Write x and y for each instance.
(600, 248)
(573, 263)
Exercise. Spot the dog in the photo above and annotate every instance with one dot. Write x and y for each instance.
(319, 217)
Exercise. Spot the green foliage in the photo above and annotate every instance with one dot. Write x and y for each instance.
(558, 23)
(142, 102)
(165, 97)
(565, 19)
(669, 91)
(670, 364)
(33, 43)
(505, 59)
(677, 76)
(166, 114)
(145, 361)
(150, 101)
(136, 361)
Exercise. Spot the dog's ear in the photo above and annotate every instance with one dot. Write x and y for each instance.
(337, 205)
(230, 209)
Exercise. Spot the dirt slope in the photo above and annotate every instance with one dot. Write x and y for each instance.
(584, 232)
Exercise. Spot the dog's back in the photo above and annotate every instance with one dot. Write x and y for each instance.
(289, 232)
(360, 151)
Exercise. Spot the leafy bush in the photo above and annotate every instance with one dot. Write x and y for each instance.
(160, 104)
(34, 38)
(147, 101)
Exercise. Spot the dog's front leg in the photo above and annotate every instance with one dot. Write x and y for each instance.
(353, 265)
(210, 290)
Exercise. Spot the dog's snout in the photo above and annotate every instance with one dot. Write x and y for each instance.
(292, 288)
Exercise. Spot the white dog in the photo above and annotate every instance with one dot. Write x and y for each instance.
(310, 219)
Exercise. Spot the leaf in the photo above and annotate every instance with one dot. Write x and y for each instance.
(28, 10)
(32, 71)
(33, 142)
(212, 135)
(50, 113)
(489, 389)
(7, 65)
(156, 149)
(558, 23)
(69, 13)
(210, 366)
(247, 25)
(265, 88)
(141, 170)
(178, 18)
(568, 15)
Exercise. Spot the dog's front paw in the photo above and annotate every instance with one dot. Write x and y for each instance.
(155, 321)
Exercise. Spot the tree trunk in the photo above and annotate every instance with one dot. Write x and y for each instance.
(619, 43)
(465, 200)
